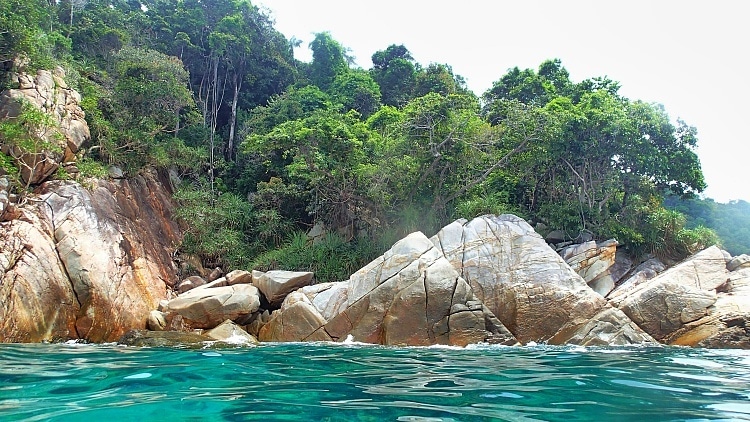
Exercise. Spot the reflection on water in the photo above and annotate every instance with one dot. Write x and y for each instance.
(370, 383)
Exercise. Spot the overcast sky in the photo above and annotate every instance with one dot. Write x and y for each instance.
(689, 55)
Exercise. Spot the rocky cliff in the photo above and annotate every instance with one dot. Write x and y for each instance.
(48, 92)
(86, 263)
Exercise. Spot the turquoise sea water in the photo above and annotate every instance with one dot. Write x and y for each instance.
(350, 382)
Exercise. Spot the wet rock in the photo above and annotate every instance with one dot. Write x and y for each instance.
(145, 338)
(229, 332)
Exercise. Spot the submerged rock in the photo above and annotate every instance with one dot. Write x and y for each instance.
(146, 338)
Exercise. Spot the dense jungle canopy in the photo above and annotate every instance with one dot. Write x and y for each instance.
(268, 146)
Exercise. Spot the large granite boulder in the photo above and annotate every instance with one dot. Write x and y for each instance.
(528, 286)
(86, 263)
(276, 285)
(410, 295)
(209, 305)
(726, 322)
(48, 92)
(681, 295)
(492, 279)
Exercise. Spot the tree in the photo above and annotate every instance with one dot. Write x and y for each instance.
(326, 155)
(438, 78)
(28, 137)
(328, 60)
(394, 71)
(25, 30)
(150, 92)
(356, 90)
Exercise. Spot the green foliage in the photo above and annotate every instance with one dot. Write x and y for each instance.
(24, 31)
(476, 206)
(217, 229)
(89, 168)
(25, 135)
(730, 221)
(328, 60)
(669, 239)
(394, 71)
(150, 90)
(356, 90)
(331, 258)
(211, 88)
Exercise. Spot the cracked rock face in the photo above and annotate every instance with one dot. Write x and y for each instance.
(37, 301)
(528, 286)
(698, 302)
(86, 264)
(410, 295)
(681, 295)
(492, 279)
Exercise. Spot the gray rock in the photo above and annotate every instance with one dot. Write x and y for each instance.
(156, 321)
(276, 285)
(115, 172)
(741, 261)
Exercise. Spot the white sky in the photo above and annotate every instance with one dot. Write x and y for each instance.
(688, 55)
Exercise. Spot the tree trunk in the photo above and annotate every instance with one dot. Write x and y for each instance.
(237, 84)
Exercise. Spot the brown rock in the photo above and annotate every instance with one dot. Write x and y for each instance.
(683, 294)
(101, 260)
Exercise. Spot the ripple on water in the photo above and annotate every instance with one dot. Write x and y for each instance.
(359, 382)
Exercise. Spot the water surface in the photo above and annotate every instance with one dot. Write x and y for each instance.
(351, 382)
